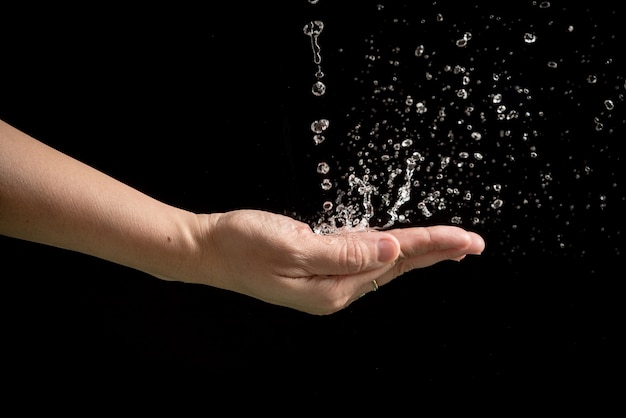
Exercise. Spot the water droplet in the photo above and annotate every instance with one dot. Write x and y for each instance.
(318, 139)
(497, 204)
(320, 126)
(462, 42)
(323, 168)
(530, 38)
(318, 89)
(314, 29)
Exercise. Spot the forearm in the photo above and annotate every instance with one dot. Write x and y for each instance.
(51, 198)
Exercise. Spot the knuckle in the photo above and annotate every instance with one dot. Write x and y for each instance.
(355, 254)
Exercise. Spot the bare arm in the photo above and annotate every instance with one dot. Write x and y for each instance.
(50, 198)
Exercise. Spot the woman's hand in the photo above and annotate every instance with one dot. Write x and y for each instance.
(282, 261)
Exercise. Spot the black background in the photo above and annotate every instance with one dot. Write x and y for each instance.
(208, 109)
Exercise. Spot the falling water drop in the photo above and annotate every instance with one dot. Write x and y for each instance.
(320, 125)
(319, 88)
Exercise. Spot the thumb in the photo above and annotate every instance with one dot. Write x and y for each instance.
(352, 252)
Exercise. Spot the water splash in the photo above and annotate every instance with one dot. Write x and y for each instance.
(478, 130)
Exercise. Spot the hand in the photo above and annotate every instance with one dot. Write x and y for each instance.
(280, 260)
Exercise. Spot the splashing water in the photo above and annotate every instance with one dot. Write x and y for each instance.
(463, 126)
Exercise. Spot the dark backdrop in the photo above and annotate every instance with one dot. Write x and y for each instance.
(209, 110)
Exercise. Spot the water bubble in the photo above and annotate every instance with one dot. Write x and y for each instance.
(530, 38)
(318, 139)
(462, 42)
(497, 204)
(323, 168)
(320, 126)
(319, 88)
(314, 28)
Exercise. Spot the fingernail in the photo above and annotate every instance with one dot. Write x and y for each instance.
(386, 250)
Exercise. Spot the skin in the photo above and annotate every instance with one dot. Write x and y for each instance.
(51, 198)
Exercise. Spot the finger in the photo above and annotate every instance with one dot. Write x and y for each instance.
(350, 253)
(422, 247)
(420, 240)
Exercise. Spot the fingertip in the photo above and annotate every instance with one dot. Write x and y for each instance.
(477, 245)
